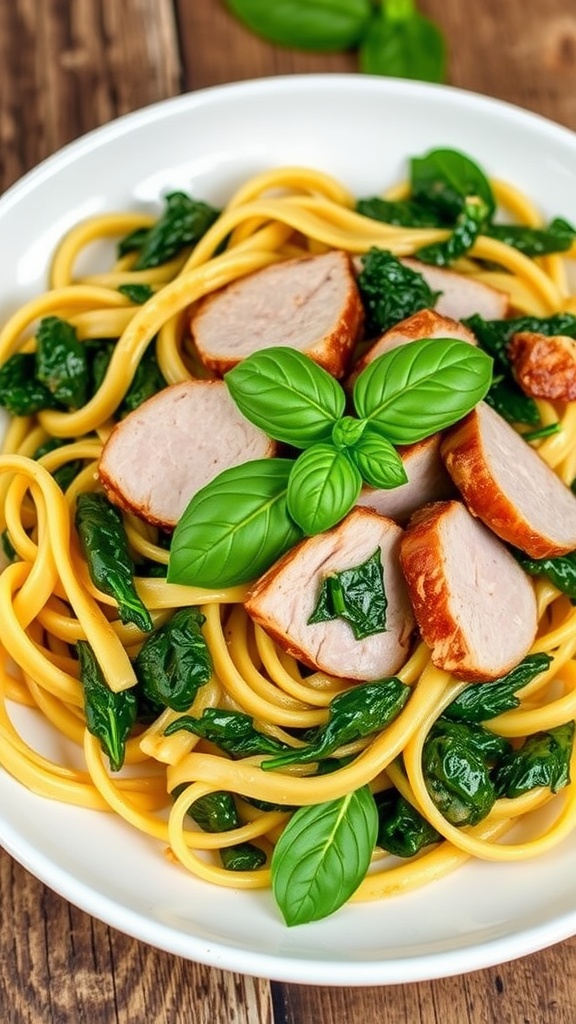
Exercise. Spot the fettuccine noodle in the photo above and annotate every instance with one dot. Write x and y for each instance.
(48, 602)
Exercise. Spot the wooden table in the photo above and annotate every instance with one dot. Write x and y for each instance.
(65, 67)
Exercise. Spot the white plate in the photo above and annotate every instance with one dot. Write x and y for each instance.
(360, 129)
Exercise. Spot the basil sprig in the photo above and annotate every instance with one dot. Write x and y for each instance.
(241, 522)
(391, 36)
(322, 856)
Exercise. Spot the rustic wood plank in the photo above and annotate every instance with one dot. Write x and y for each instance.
(70, 66)
(533, 990)
(61, 966)
(522, 52)
(65, 67)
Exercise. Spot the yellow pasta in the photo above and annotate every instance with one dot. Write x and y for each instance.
(49, 604)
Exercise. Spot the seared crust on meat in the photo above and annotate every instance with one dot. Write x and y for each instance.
(161, 454)
(284, 598)
(474, 606)
(509, 486)
(545, 367)
(311, 304)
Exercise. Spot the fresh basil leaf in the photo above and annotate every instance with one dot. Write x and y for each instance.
(323, 486)
(287, 395)
(543, 760)
(61, 362)
(357, 712)
(390, 291)
(443, 179)
(174, 661)
(356, 595)
(183, 223)
(402, 830)
(20, 392)
(557, 237)
(406, 213)
(469, 224)
(109, 716)
(235, 527)
(456, 775)
(137, 293)
(422, 387)
(8, 549)
(322, 856)
(347, 432)
(322, 25)
(231, 731)
(560, 570)
(481, 701)
(401, 42)
(377, 460)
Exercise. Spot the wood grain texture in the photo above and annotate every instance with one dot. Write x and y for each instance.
(60, 966)
(67, 66)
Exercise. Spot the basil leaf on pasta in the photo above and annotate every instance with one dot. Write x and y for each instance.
(235, 527)
(422, 387)
(322, 856)
(287, 395)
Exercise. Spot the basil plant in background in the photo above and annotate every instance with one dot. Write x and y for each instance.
(236, 526)
(390, 37)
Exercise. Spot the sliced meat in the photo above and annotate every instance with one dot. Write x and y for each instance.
(474, 605)
(427, 481)
(283, 600)
(509, 486)
(427, 323)
(461, 296)
(545, 367)
(309, 304)
(176, 442)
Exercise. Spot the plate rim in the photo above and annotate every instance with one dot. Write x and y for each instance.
(422, 967)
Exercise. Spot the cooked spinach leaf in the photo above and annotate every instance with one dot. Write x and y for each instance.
(137, 293)
(174, 661)
(357, 712)
(183, 223)
(543, 760)
(21, 393)
(482, 701)
(231, 731)
(560, 570)
(558, 236)
(147, 381)
(406, 213)
(217, 812)
(61, 362)
(105, 547)
(468, 225)
(390, 291)
(356, 595)
(402, 830)
(456, 772)
(109, 716)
